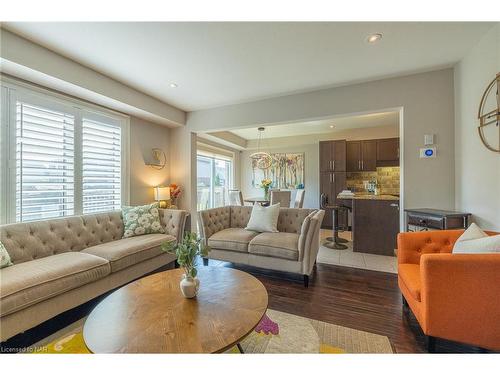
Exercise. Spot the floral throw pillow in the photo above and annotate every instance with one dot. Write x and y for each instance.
(4, 257)
(141, 220)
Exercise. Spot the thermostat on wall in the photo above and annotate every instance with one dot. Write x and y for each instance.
(429, 152)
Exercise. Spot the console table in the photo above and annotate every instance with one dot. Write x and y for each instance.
(429, 218)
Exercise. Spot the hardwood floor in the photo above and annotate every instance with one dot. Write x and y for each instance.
(355, 298)
(360, 299)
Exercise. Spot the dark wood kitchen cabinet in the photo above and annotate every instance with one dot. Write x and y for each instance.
(361, 156)
(375, 226)
(388, 152)
(331, 184)
(332, 156)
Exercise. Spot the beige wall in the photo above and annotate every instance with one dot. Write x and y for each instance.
(145, 136)
(182, 156)
(309, 145)
(477, 172)
(427, 100)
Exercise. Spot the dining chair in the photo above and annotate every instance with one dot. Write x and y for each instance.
(235, 198)
(281, 197)
(299, 198)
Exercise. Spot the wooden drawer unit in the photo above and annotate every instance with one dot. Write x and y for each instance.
(428, 218)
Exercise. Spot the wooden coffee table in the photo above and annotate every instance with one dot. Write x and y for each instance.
(150, 315)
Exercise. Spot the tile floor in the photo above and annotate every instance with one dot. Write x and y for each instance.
(349, 258)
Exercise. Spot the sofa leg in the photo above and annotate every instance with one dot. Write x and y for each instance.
(431, 344)
(205, 261)
(306, 281)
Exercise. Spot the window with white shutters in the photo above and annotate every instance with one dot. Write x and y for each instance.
(101, 166)
(44, 163)
(59, 156)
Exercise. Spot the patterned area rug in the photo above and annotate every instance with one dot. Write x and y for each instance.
(277, 332)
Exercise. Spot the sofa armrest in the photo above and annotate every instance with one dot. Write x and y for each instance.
(412, 245)
(213, 220)
(309, 241)
(460, 297)
(173, 221)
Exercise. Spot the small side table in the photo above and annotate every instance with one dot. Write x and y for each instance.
(423, 219)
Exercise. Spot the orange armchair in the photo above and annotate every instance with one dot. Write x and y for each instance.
(453, 296)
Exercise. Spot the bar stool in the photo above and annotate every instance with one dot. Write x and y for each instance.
(334, 242)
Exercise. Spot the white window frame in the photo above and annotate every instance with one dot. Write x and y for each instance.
(13, 90)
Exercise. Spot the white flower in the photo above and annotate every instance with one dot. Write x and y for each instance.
(128, 233)
(140, 230)
(132, 216)
(143, 220)
(156, 226)
(154, 211)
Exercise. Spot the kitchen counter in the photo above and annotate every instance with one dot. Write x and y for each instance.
(381, 197)
(374, 222)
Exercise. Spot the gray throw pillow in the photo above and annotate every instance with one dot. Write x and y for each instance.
(4, 257)
(139, 220)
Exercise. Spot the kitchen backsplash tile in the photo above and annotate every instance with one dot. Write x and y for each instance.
(387, 177)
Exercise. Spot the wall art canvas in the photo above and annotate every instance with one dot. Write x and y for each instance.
(286, 171)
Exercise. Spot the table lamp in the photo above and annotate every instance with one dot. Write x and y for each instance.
(162, 195)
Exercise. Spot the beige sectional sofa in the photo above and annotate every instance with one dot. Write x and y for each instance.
(293, 249)
(62, 263)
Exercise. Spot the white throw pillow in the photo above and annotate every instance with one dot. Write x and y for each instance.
(475, 241)
(264, 219)
(4, 257)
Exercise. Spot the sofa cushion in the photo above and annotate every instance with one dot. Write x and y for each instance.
(410, 276)
(475, 241)
(276, 245)
(264, 219)
(129, 251)
(232, 239)
(139, 220)
(4, 257)
(28, 283)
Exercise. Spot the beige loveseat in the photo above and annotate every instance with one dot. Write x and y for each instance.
(293, 249)
(62, 263)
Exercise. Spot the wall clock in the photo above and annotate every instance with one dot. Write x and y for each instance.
(489, 116)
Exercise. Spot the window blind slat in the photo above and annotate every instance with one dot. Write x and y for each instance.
(101, 166)
(44, 163)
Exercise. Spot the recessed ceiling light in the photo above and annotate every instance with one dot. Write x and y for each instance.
(374, 38)
(331, 126)
(173, 85)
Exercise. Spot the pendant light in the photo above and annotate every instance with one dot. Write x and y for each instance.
(261, 159)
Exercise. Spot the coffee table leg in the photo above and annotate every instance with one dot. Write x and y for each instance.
(240, 348)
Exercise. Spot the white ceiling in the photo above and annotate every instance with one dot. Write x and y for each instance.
(223, 63)
(322, 126)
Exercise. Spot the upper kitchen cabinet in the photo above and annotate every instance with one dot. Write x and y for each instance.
(388, 152)
(369, 155)
(332, 156)
(361, 156)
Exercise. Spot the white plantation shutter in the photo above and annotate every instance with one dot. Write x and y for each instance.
(101, 166)
(44, 140)
(59, 156)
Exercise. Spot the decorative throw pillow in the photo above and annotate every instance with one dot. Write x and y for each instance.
(140, 220)
(264, 219)
(4, 257)
(475, 241)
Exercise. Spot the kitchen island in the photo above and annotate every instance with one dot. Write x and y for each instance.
(375, 222)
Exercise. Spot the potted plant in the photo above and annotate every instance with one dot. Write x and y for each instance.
(187, 251)
(266, 184)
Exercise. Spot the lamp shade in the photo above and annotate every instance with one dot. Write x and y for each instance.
(162, 193)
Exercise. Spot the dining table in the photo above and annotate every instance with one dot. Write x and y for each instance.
(263, 201)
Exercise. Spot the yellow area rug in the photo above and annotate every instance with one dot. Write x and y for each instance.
(278, 332)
